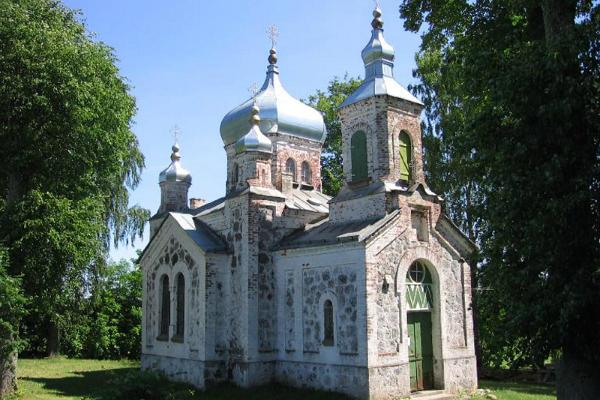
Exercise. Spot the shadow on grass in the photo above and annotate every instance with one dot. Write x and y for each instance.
(529, 388)
(133, 384)
(87, 384)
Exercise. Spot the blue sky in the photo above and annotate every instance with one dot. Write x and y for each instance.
(191, 61)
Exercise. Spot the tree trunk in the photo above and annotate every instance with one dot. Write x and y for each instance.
(577, 378)
(53, 344)
(8, 375)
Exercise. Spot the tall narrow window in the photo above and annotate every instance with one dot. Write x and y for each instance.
(405, 156)
(235, 174)
(165, 308)
(358, 147)
(290, 167)
(306, 175)
(179, 327)
(328, 323)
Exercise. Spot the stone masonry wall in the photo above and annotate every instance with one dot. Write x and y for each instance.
(382, 118)
(388, 260)
(340, 285)
(299, 150)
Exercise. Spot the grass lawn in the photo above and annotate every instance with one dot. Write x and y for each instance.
(61, 378)
(519, 391)
(65, 379)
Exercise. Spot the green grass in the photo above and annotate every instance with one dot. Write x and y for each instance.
(67, 379)
(519, 391)
(61, 378)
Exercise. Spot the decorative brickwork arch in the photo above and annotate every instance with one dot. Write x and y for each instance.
(429, 259)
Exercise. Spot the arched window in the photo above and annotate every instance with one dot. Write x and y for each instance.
(306, 175)
(180, 307)
(419, 291)
(328, 323)
(235, 174)
(290, 167)
(358, 147)
(165, 308)
(405, 156)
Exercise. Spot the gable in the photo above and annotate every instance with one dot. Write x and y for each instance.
(454, 236)
(197, 233)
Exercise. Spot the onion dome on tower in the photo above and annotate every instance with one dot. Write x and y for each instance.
(378, 57)
(175, 172)
(254, 140)
(174, 183)
(279, 112)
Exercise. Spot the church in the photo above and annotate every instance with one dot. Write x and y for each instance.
(367, 293)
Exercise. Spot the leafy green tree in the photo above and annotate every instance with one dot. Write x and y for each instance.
(116, 313)
(11, 310)
(69, 158)
(331, 158)
(512, 94)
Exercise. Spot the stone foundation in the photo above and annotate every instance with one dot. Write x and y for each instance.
(389, 382)
(200, 374)
(349, 380)
(460, 374)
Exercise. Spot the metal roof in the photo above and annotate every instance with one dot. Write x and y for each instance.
(327, 232)
(308, 200)
(279, 113)
(378, 58)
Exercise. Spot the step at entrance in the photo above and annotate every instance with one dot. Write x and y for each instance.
(432, 395)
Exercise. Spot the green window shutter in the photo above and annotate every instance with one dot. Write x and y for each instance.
(358, 146)
(405, 156)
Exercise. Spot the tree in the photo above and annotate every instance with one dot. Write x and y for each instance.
(331, 158)
(69, 158)
(11, 310)
(115, 313)
(516, 113)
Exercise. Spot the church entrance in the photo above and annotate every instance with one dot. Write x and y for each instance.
(420, 355)
(419, 300)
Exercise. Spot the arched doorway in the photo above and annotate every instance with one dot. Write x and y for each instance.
(419, 300)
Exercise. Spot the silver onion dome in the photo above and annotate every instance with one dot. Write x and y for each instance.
(254, 139)
(378, 57)
(175, 172)
(279, 112)
(377, 48)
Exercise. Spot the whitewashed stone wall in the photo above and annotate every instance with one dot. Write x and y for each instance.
(388, 259)
(305, 277)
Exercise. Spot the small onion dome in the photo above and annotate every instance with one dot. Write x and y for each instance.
(254, 140)
(279, 112)
(378, 57)
(175, 172)
(377, 48)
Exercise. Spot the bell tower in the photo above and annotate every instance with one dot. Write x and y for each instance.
(381, 133)
(381, 139)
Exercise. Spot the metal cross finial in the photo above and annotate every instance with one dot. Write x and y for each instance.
(273, 34)
(377, 4)
(176, 132)
(253, 89)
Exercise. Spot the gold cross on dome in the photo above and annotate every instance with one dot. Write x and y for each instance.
(176, 132)
(273, 34)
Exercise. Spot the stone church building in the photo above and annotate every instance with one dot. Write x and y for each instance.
(366, 293)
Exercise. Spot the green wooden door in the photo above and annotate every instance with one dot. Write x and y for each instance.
(420, 356)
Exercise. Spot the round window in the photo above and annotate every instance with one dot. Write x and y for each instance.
(416, 272)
